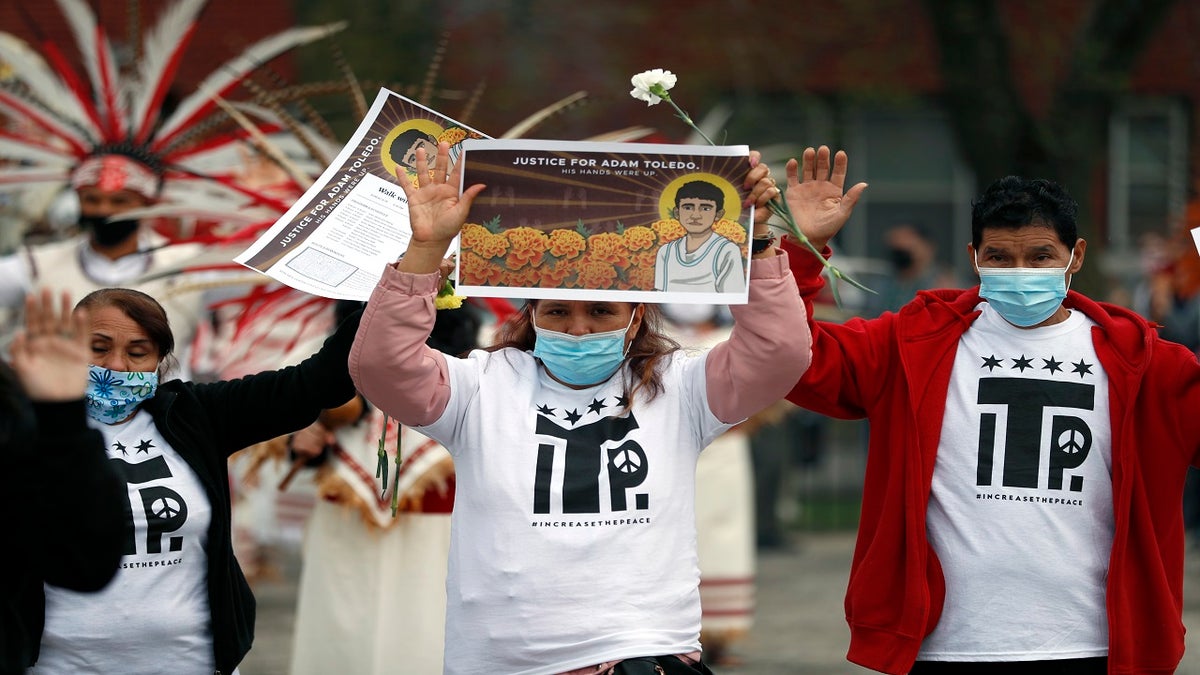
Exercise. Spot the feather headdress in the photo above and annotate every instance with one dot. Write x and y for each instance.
(68, 118)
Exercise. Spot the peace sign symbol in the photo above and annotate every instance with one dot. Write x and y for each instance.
(626, 461)
(165, 508)
(1072, 441)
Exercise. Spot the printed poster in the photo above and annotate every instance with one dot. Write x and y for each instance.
(336, 239)
(634, 222)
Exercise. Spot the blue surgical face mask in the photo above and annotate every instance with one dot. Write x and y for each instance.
(580, 360)
(1024, 296)
(112, 395)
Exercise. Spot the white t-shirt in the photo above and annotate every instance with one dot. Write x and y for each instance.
(1021, 513)
(154, 616)
(573, 537)
(715, 267)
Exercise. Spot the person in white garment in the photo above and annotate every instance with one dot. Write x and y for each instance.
(109, 251)
(575, 439)
(179, 602)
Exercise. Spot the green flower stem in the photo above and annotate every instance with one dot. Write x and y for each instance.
(779, 207)
(662, 93)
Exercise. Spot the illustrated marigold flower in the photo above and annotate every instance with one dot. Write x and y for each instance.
(641, 278)
(596, 274)
(640, 238)
(453, 135)
(731, 230)
(556, 275)
(526, 246)
(477, 271)
(524, 278)
(608, 247)
(566, 244)
(472, 236)
(668, 229)
(647, 258)
(492, 246)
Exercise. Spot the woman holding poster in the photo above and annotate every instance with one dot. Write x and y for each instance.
(575, 440)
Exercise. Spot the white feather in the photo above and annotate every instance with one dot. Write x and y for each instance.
(162, 43)
(83, 26)
(40, 155)
(44, 83)
(203, 211)
(524, 126)
(622, 135)
(16, 180)
(324, 147)
(232, 72)
(21, 108)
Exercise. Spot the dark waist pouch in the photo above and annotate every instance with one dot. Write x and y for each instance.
(660, 665)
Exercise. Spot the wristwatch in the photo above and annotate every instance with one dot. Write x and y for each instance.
(760, 244)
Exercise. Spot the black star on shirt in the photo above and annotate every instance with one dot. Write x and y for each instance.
(573, 416)
(546, 410)
(119, 446)
(144, 446)
(1052, 365)
(597, 405)
(622, 401)
(990, 362)
(1081, 368)
(1022, 363)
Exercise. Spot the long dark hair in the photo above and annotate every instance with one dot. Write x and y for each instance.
(646, 351)
(145, 312)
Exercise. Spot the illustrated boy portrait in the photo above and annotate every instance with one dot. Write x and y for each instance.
(701, 260)
(404, 148)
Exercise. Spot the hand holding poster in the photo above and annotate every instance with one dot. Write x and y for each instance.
(606, 221)
(337, 238)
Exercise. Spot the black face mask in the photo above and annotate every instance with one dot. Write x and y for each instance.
(108, 233)
(902, 259)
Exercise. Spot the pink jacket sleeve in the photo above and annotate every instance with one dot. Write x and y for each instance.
(390, 362)
(769, 349)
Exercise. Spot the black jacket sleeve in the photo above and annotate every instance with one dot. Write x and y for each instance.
(77, 500)
(273, 403)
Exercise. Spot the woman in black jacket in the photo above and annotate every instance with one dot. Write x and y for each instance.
(62, 501)
(179, 600)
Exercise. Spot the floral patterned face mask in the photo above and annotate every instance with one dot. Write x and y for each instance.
(113, 396)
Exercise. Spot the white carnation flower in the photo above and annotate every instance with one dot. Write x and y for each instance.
(651, 86)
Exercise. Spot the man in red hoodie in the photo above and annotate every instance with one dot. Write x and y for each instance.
(1022, 502)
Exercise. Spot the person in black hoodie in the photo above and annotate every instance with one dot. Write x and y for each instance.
(62, 501)
(179, 599)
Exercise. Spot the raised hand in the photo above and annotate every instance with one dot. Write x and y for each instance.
(816, 196)
(436, 211)
(51, 354)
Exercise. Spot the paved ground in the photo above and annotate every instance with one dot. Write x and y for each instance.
(798, 626)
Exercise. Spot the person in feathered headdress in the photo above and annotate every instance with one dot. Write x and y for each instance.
(107, 138)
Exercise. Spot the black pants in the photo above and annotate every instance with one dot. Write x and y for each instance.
(1093, 666)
